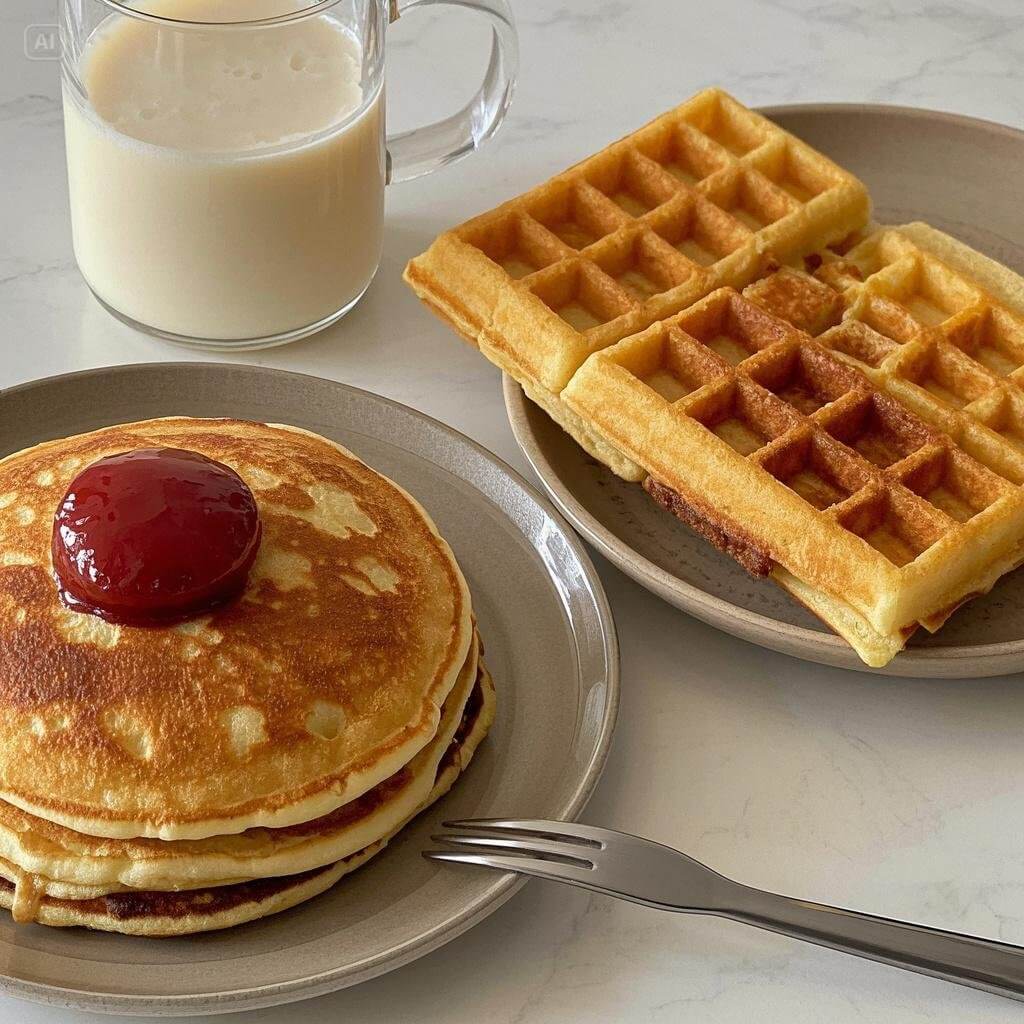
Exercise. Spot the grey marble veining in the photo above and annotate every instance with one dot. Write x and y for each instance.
(901, 797)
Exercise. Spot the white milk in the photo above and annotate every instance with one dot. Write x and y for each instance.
(225, 184)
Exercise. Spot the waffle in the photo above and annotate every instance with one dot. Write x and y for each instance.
(855, 469)
(698, 306)
(941, 328)
(701, 197)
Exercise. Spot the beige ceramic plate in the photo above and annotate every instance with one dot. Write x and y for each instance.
(550, 646)
(961, 175)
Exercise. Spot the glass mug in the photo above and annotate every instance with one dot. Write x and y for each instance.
(227, 177)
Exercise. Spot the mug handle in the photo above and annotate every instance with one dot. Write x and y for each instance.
(422, 150)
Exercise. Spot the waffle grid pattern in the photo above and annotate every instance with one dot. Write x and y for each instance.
(691, 202)
(787, 404)
(936, 341)
(867, 408)
(875, 516)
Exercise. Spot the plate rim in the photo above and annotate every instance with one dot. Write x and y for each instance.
(504, 886)
(895, 110)
(815, 646)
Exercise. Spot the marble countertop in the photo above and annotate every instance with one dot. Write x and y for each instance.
(898, 797)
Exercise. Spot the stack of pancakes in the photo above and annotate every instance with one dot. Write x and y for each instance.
(176, 779)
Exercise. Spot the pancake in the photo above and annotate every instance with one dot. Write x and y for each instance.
(321, 681)
(161, 914)
(75, 866)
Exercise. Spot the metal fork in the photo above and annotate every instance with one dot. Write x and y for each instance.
(645, 872)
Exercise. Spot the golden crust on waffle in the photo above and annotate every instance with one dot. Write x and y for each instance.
(851, 426)
(694, 200)
(940, 327)
(860, 470)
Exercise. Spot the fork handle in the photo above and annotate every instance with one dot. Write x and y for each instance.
(980, 963)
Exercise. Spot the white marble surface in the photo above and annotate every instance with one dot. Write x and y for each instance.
(898, 797)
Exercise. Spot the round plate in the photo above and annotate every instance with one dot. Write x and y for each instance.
(552, 652)
(957, 173)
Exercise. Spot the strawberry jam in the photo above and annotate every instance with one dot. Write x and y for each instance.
(153, 536)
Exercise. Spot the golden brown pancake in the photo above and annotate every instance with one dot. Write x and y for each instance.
(322, 680)
(74, 864)
(159, 914)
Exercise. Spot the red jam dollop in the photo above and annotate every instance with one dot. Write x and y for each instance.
(153, 536)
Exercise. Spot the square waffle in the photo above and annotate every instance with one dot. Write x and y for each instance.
(701, 197)
(794, 462)
(872, 470)
(941, 328)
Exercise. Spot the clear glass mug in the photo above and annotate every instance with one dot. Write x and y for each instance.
(227, 177)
